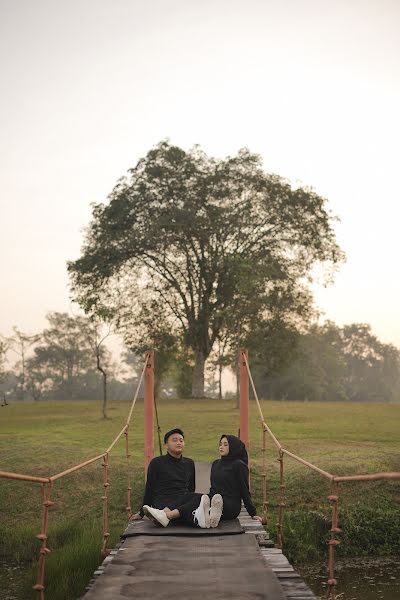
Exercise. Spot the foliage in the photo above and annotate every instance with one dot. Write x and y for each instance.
(148, 329)
(20, 343)
(333, 363)
(3, 350)
(64, 363)
(214, 243)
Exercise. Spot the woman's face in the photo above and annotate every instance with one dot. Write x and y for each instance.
(224, 447)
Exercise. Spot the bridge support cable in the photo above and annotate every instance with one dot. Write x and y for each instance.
(149, 411)
(128, 476)
(281, 503)
(244, 399)
(42, 536)
(333, 542)
(158, 427)
(264, 513)
(104, 498)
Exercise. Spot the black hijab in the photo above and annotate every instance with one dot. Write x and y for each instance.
(237, 450)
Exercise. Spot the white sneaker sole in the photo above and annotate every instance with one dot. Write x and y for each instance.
(204, 510)
(153, 515)
(217, 504)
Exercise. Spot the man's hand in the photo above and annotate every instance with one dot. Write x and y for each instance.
(136, 517)
(257, 518)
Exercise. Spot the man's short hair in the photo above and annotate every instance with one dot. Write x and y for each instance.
(169, 433)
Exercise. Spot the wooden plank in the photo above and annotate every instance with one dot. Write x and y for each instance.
(292, 585)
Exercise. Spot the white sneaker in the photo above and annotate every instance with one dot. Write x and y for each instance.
(201, 516)
(217, 505)
(157, 516)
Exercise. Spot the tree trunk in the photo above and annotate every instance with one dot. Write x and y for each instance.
(198, 375)
(220, 382)
(104, 394)
(104, 374)
(23, 378)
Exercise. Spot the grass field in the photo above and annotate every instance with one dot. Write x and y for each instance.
(49, 437)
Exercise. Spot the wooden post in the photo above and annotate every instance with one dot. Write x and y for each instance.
(149, 411)
(244, 400)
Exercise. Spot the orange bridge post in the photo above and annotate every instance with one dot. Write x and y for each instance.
(149, 411)
(244, 399)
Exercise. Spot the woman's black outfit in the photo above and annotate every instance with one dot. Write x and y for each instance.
(230, 478)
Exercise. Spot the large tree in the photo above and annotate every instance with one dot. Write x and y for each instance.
(206, 239)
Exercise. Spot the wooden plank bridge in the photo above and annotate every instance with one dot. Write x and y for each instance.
(194, 567)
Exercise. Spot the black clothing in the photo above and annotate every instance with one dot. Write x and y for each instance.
(169, 479)
(230, 478)
(186, 505)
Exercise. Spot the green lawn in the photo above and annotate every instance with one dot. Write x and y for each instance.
(49, 437)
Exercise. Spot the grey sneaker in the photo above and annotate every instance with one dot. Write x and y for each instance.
(157, 516)
(201, 516)
(217, 505)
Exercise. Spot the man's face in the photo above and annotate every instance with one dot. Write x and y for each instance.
(175, 444)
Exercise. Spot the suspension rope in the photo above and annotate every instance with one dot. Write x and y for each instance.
(333, 542)
(264, 478)
(42, 536)
(281, 503)
(274, 439)
(104, 498)
(158, 426)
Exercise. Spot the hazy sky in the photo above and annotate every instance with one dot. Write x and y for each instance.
(89, 86)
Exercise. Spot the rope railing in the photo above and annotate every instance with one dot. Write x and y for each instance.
(334, 489)
(47, 488)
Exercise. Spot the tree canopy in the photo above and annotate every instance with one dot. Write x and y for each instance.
(216, 244)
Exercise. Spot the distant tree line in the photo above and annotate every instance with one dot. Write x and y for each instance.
(66, 361)
(331, 363)
(324, 363)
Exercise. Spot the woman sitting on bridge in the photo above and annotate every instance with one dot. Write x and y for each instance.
(230, 479)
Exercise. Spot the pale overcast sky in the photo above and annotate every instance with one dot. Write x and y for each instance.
(89, 86)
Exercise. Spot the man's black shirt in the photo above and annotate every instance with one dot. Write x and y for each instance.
(168, 479)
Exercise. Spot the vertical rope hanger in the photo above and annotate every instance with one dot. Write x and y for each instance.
(158, 426)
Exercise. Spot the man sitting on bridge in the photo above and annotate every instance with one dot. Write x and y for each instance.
(169, 493)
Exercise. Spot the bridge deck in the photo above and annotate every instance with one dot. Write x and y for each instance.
(238, 567)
